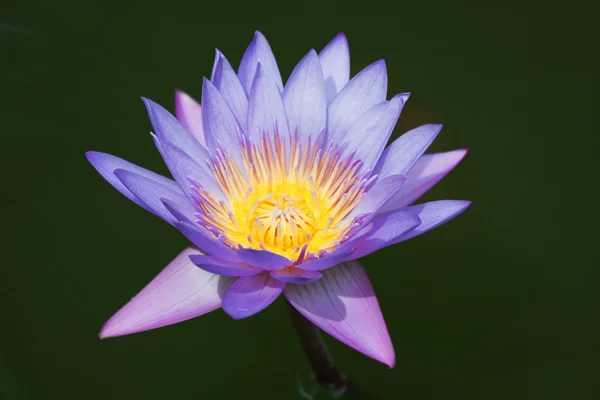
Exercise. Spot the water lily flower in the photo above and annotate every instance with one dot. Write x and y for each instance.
(280, 189)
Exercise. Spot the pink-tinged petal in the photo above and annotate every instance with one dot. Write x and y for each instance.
(266, 112)
(207, 242)
(263, 259)
(401, 155)
(151, 192)
(386, 228)
(378, 195)
(335, 62)
(106, 164)
(371, 132)
(259, 51)
(225, 268)
(304, 97)
(183, 167)
(296, 275)
(251, 294)
(367, 88)
(168, 129)
(226, 81)
(343, 304)
(220, 125)
(189, 113)
(428, 171)
(432, 215)
(179, 292)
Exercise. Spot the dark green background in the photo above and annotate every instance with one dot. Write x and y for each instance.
(500, 303)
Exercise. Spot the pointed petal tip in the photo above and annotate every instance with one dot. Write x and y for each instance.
(402, 96)
(380, 64)
(386, 356)
(339, 40)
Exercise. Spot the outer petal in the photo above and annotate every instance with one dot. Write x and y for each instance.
(106, 164)
(371, 132)
(386, 228)
(168, 129)
(251, 294)
(432, 215)
(225, 268)
(179, 292)
(367, 88)
(183, 167)
(335, 62)
(205, 241)
(226, 81)
(401, 155)
(428, 171)
(263, 259)
(220, 125)
(378, 195)
(338, 255)
(181, 212)
(259, 51)
(296, 275)
(151, 192)
(265, 110)
(343, 304)
(189, 113)
(304, 97)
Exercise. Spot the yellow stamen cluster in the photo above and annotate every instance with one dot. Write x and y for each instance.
(283, 196)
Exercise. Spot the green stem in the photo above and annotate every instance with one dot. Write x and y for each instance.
(327, 374)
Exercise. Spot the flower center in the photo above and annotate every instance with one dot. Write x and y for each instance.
(293, 201)
(281, 221)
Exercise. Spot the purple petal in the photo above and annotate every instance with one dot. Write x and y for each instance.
(304, 97)
(106, 164)
(179, 292)
(224, 268)
(251, 294)
(378, 195)
(259, 51)
(226, 81)
(343, 304)
(386, 228)
(183, 167)
(371, 132)
(263, 259)
(220, 125)
(150, 193)
(205, 241)
(168, 129)
(401, 155)
(335, 62)
(181, 212)
(428, 171)
(265, 110)
(337, 256)
(189, 113)
(296, 275)
(367, 88)
(432, 215)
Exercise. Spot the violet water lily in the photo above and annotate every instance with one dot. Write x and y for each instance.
(280, 189)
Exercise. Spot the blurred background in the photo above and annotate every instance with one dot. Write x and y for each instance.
(499, 303)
